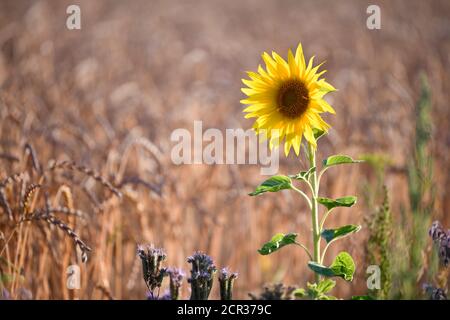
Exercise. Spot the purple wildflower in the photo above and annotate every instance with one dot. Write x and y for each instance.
(226, 280)
(442, 240)
(202, 275)
(151, 258)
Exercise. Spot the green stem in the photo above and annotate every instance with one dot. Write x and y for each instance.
(315, 208)
(324, 251)
(322, 223)
(304, 248)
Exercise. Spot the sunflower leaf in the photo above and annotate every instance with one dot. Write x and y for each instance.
(320, 269)
(303, 175)
(277, 242)
(316, 291)
(334, 234)
(318, 133)
(338, 159)
(273, 184)
(339, 202)
(343, 266)
(326, 285)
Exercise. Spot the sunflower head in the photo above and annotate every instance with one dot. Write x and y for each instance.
(286, 98)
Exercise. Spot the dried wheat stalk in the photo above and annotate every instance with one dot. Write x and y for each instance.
(27, 198)
(17, 178)
(51, 219)
(70, 165)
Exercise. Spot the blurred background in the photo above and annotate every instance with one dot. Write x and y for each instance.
(109, 95)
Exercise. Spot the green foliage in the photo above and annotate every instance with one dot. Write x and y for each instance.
(334, 234)
(338, 159)
(403, 274)
(304, 175)
(316, 291)
(379, 246)
(343, 266)
(273, 184)
(277, 242)
(378, 161)
(420, 175)
(318, 134)
(339, 202)
(421, 199)
(321, 269)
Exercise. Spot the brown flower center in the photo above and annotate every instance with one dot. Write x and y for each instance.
(293, 98)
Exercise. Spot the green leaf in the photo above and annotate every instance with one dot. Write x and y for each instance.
(318, 133)
(320, 269)
(277, 242)
(304, 175)
(339, 202)
(343, 266)
(316, 291)
(338, 159)
(326, 285)
(273, 184)
(334, 234)
(299, 293)
(363, 298)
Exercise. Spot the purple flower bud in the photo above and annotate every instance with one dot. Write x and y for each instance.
(202, 274)
(226, 280)
(151, 258)
(441, 239)
(176, 278)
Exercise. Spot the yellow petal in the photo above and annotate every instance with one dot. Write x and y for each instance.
(256, 77)
(309, 135)
(255, 84)
(297, 142)
(325, 86)
(312, 73)
(259, 107)
(326, 106)
(299, 57)
(249, 91)
(267, 78)
(293, 69)
(282, 66)
(271, 65)
(317, 122)
(310, 64)
(287, 147)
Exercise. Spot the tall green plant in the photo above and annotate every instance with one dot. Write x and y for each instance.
(343, 265)
(379, 245)
(379, 223)
(421, 200)
(287, 100)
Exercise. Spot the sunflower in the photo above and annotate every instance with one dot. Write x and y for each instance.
(286, 98)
